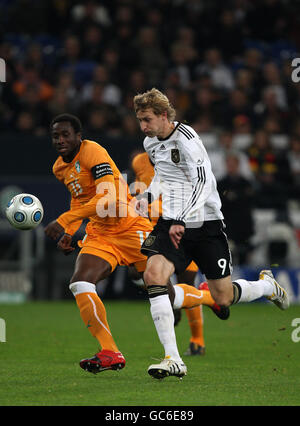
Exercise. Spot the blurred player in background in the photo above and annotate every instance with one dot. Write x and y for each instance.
(144, 172)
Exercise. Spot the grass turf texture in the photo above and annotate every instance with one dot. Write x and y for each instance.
(250, 359)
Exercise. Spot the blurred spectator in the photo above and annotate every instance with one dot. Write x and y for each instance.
(92, 42)
(241, 125)
(130, 127)
(60, 103)
(30, 78)
(242, 132)
(294, 164)
(111, 93)
(237, 195)
(269, 107)
(253, 62)
(126, 48)
(272, 126)
(229, 35)
(25, 123)
(65, 82)
(96, 123)
(34, 57)
(239, 105)
(111, 61)
(93, 100)
(244, 82)
(204, 102)
(272, 79)
(213, 65)
(271, 170)
(69, 56)
(203, 124)
(183, 56)
(151, 56)
(180, 65)
(90, 12)
(219, 158)
(31, 103)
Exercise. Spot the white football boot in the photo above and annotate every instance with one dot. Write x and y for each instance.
(167, 367)
(279, 297)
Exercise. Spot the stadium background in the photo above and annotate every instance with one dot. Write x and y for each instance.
(227, 69)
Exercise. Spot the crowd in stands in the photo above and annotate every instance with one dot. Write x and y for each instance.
(226, 66)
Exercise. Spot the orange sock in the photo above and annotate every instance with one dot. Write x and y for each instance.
(194, 297)
(195, 319)
(93, 313)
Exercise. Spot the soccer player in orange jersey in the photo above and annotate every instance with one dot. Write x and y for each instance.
(144, 172)
(113, 234)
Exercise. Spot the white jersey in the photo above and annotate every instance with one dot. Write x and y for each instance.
(183, 176)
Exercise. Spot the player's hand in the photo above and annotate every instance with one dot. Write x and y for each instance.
(64, 244)
(141, 207)
(54, 230)
(176, 233)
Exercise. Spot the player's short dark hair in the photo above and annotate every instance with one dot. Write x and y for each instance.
(70, 118)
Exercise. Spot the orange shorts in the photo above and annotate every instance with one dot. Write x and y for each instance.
(118, 248)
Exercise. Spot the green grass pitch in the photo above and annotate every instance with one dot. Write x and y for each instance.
(250, 359)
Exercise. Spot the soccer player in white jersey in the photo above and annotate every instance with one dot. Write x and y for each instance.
(191, 226)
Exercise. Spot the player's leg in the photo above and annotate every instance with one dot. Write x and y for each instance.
(156, 277)
(194, 315)
(214, 259)
(187, 297)
(90, 269)
(227, 292)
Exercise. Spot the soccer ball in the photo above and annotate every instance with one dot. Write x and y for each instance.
(24, 211)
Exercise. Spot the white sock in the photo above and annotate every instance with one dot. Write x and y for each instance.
(179, 297)
(252, 290)
(163, 317)
(82, 287)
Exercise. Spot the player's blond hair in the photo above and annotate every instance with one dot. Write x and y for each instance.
(157, 101)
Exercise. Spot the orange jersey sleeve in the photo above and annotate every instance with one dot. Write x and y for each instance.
(143, 169)
(73, 227)
(144, 173)
(95, 183)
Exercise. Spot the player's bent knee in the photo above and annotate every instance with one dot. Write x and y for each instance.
(150, 277)
(154, 276)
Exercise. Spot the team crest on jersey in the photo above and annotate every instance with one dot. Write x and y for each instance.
(77, 167)
(175, 155)
(149, 240)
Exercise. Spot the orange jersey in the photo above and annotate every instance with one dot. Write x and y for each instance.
(98, 191)
(144, 172)
(143, 168)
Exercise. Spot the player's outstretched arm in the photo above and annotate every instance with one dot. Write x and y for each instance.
(54, 230)
(65, 244)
